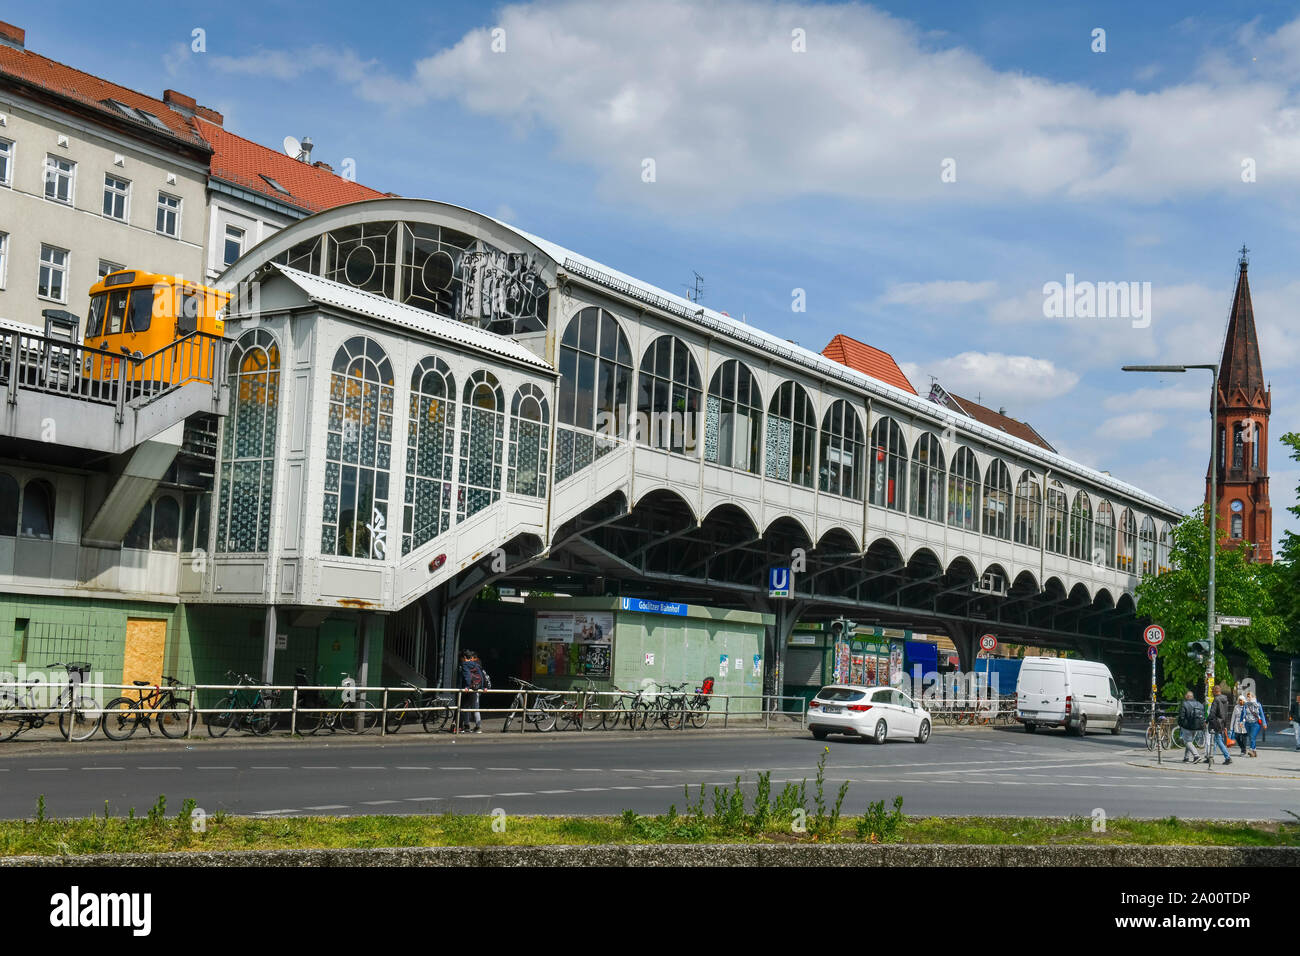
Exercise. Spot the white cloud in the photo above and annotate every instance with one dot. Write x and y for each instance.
(1130, 427)
(1177, 398)
(716, 96)
(938, 294)
(997, 378)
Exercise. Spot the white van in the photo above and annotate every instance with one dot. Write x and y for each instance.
(1060, 692)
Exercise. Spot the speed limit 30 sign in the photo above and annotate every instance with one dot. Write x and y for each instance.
(1153, 635)
(988, 642)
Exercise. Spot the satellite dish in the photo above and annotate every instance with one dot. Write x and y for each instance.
(292, 147)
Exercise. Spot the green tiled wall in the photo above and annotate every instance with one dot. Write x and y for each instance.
(688, 649)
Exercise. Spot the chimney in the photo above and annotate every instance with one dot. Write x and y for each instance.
(13, 36)
(307, 144)
(319, 164)
(1003, 411)
(212, 116)
(180, 102)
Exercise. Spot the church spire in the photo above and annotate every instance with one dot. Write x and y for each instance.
(1240, 367)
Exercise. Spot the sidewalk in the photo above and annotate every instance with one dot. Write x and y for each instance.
(1278, 760)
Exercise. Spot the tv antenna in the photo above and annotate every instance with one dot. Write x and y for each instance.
(695, 293)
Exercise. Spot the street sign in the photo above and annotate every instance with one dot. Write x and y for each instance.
(988, 642)
(1153, 635)
(1228, 621)
(1151, 653)
(780, 582)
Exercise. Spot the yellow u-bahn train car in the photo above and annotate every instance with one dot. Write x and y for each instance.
(153, 319)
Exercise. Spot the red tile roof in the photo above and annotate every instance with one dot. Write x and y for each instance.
(92, 91)
(1012, 426)
(311, 187)
(870, 361)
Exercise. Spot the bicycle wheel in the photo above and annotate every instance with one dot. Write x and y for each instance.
(393, 723)
(220, 721)
(259, 721)
(1153, 738)
(82, 721)
(121, 718)
(175, 718)
(435, 720)
(309, 722)
(359, 716)
(674, 714)
(699, 715)
(543, 718)
(594, 716)
(11, 722)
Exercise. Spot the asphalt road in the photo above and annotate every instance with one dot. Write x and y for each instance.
(1000, 771)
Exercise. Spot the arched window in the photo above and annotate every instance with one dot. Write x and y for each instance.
(997, 500)
(1147, 546)
(1127, 541)
(1238, 446)
(1029, 508)
(482, 440)
(595, 390)
(1162, 552)
(1081, 527)
(137, 536)
(964, 491)
(38, 509)
(733, 415)
(1236, 526)
(1058, 518)
(157, 526)
(927, 478)
(430, 453)
(1104, 533)
(791, 436)
(668, 397)
(888, 465)
(248, 445)
(8, 505)
(358, 452)
(841, 454)
(528, 445)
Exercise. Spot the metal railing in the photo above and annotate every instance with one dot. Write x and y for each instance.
(56, 366)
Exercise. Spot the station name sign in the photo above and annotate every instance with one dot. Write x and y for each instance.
(652, 607)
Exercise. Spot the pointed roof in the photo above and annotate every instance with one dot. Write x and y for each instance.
(1240, 367)
(867, 360)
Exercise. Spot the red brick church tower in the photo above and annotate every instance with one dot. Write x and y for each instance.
(1244, 405)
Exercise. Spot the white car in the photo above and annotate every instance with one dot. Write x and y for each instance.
(872, 713)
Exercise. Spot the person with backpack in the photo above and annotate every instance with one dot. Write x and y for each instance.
(474, 681)
(1191, 718)
(1220, 720)
(1238, 724)
(1253, 715)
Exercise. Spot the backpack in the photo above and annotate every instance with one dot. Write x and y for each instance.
(1191, 716)
(475, 675)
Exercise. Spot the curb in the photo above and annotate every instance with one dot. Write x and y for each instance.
(1200, 768)
(695, 855)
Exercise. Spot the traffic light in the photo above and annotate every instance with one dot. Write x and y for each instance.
(842, 628)
(1198, 650)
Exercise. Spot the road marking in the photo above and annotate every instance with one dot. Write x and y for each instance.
(414, 768)
(272, 767)
(661, 786)
(588, 769)
(555, 791)
(157, 768)
(366, 768)
(103, 768)
(548, 769)
(626, 788)
(317, 767)
(421, 799)
(377, 803)
(39, 769)
(455, 768)
(472, 796)
(217, 768)
(329, 806)
(517, 793)
(269, 812)
(591, 789)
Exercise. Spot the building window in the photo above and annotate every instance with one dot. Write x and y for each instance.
(528, 445)
(1238, 446)
(4, 257)
(733, 418)
(668, 397)
(9, 496)
(106, 267)
(1236, 527)
(52, 282)
(1147, 547)
(358, 452)
(234, 244)
(840, 468)
(1028, 514)
(194, 522)
(1127, 541)
(964, 491)
(1162, 553)
(157, 527)
(169, 216)
(6, 162)
(117, 195)
(791, 436)
(888, 465)
(927, 478)
(482, 437)
(1104, 531)
(595, 390)
(430, 452)
(38, 510)
(1081, 528)
(1254, 439)
(59, 179)
(997, 500)
(248, 445)
(1058, 518)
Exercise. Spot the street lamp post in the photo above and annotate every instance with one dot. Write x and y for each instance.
(1213, 508)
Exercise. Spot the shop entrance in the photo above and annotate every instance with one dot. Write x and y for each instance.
(502, 634)
(336, 652)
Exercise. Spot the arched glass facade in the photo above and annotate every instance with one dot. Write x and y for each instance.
(888, 465)
(595, 390)
(430, 452)
(529, 417)
(791, 436)
(840, 468)
(1058, 519)
(927, 478)
(358, 453)
(157, 527)
(1081, 527)
(248, 446)
(1147, 546)
(1029, 510)
(668, 397)
(733, 418)
(1104, 534)
(482, 443)
(997, 500)
(1127, 542)
(964, 491)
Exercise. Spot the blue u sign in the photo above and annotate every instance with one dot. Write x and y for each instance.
(779, 582)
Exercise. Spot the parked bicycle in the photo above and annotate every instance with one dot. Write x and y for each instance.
(1160, 733)
(153, 704)
(351, 712)
(79, 714)
(698, 706)
(245, 708)
(541, 714)
(413, 707)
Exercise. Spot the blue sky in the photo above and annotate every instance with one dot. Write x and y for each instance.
(821, 169)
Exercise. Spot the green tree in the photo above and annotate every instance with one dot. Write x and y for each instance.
(1177, 601)
(1286, 567)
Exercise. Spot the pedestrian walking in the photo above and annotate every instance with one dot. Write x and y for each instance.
(1191, 718)
(473, 682)
(1239, 724)
(1253, 715)
(1220, 717)
(1295, 720)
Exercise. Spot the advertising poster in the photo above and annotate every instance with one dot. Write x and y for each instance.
(569, 644)
(840, 672)
(896, 662)
(722, 666)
